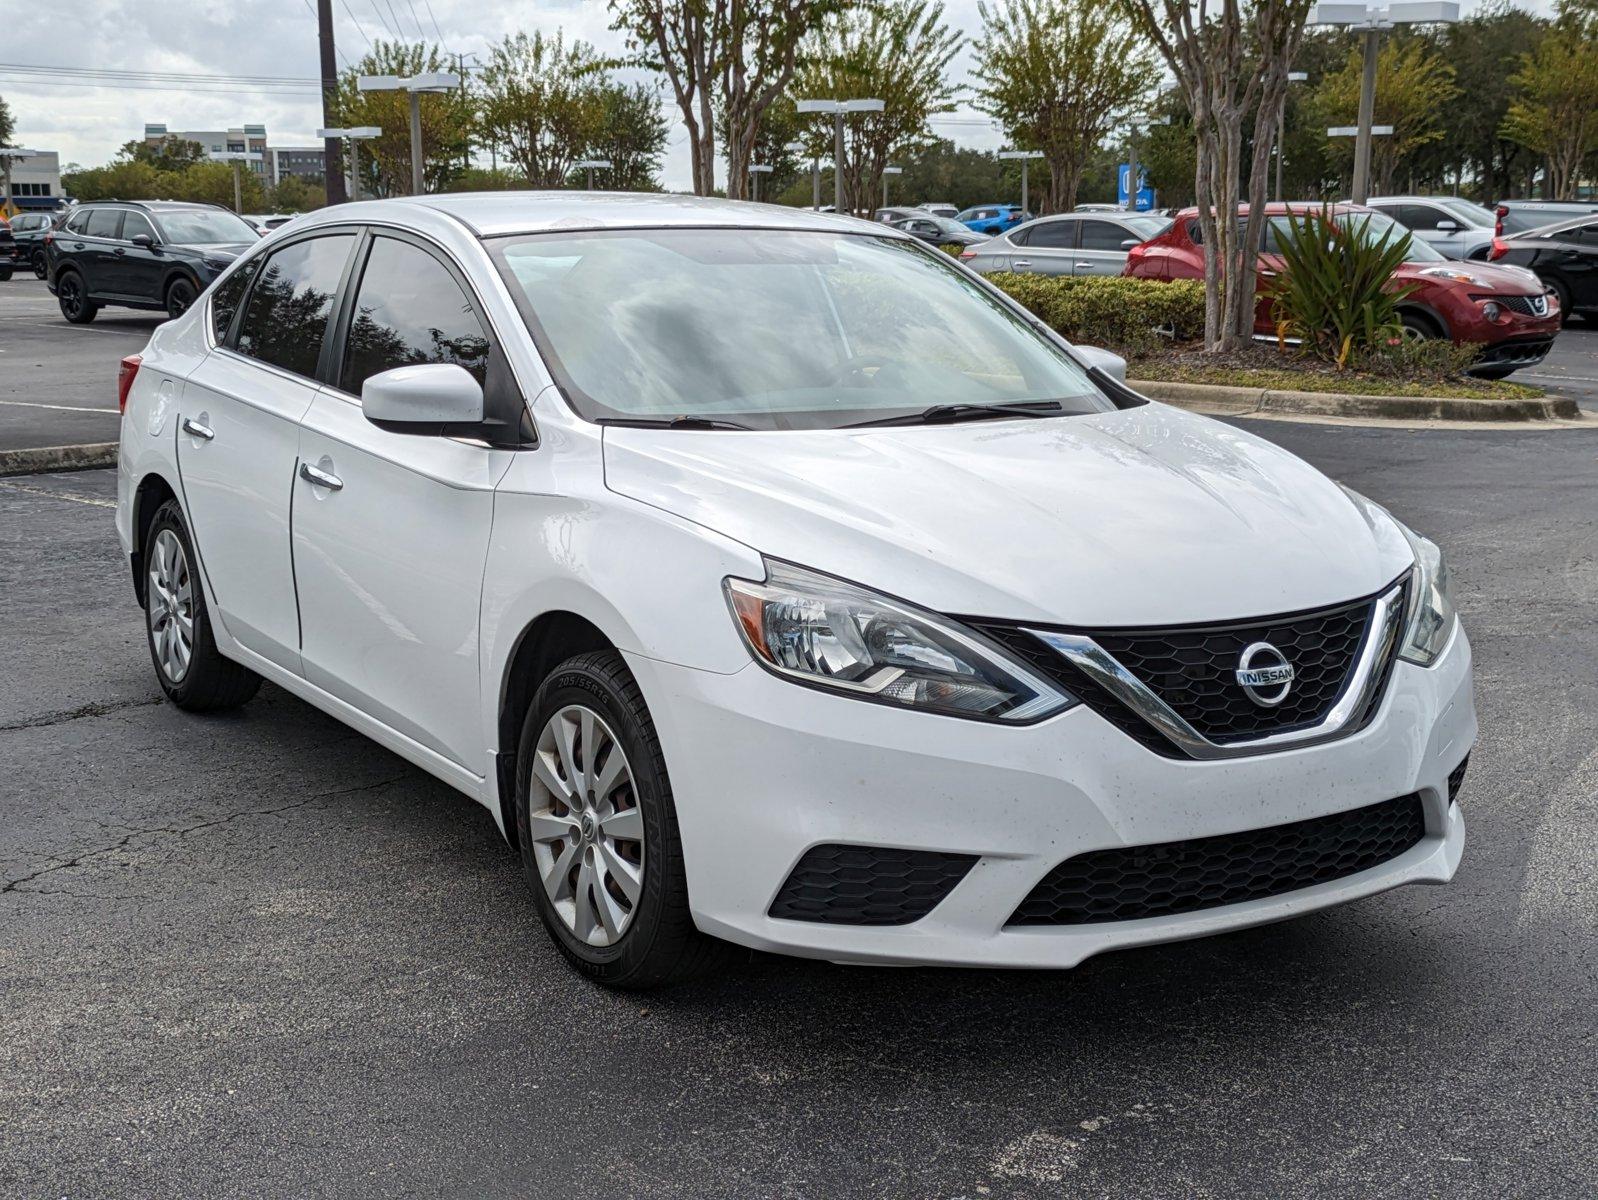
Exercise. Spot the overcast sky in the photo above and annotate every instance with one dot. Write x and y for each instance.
(278, 38)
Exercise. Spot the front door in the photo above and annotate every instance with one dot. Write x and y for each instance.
(391, 529)
(141, 267)
(1050, 248)
(238, 439)
(1102, 247)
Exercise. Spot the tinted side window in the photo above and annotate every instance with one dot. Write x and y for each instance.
(409, 309)
(1103, 235)
(1054, 235)
(104, 222)
(1418, 216)
(225, 300)
(78, 222)
(134, 224)
(285, 318)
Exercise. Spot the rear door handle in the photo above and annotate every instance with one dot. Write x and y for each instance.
(1021, 263)
(1084, 264)
(196, 429)
(320, 478)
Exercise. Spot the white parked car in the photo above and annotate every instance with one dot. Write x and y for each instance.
(774, 580)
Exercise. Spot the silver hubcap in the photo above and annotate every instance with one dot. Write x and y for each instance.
(170, 603)
(586, 826)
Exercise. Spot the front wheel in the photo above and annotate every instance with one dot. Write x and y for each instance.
(180, 297)
(40, 267)
(597, 827)
(5, 274)
(76, 306)
(1418, 327)
(191, 670)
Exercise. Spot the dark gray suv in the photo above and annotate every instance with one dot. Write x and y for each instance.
(151, 254)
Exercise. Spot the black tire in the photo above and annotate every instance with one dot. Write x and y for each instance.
(1493, 372)
(75, 304)
(210, 683)
(5, 274)
(1563, 293)
(1419, 325)
(40, 267)
(660, 945)
(180, 296)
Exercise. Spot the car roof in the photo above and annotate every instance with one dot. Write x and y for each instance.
(156, 205)
(1410, 199)
(1282, 208)
(1580, 221)
(495, 214)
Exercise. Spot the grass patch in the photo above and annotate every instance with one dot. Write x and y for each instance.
(1346, 383)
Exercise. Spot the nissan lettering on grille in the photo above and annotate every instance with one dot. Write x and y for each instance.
(1264, 674)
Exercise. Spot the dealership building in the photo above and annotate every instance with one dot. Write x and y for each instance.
(275, 163)
(36, 181)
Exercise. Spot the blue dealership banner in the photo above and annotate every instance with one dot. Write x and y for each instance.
(1145, 194)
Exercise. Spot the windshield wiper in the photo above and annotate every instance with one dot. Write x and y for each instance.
(671, 423)
(947, 414)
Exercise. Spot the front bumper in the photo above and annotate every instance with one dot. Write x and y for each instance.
(763, 770)
(1519, 352)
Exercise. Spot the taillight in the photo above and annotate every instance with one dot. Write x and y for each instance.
(968, 252)
(1499, 214)
(130, 368)
(49, 237)
(1498, 250)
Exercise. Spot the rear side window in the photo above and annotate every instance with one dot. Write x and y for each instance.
(285, 318)
(225, 300)
(409, 310)
(78, 222)
(104, 223)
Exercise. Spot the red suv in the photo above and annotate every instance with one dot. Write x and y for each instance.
(1507, 309)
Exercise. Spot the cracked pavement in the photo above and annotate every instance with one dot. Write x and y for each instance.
(257, 955)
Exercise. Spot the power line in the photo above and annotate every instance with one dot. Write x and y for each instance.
(157, 76)
(336, 47)
(382, 20)
(434, 20)
(348, 12)
(231, 90)
(420, 35)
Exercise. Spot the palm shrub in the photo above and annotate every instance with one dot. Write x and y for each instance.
(1335, 293)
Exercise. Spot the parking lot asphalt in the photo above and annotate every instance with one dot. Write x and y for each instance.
(258, 955)
(58, 382)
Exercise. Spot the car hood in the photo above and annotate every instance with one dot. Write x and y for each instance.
(1146, 516)
(1512, 281)
(227, 250)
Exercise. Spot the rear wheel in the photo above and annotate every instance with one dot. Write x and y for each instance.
(40, 268)
(191, 670)
(76, 306)
(1561, 291)
(597, 828)
(5, 274)
(179, 297)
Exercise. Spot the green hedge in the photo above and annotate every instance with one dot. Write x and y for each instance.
(1124, 315)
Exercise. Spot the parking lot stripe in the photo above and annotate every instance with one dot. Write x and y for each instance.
(59, 407)
(72, 496)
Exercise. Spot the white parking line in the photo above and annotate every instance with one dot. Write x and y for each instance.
(59, 407)
(72, 496)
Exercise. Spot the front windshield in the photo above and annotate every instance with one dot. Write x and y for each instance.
(1471, 214)
(204, 227)
(1382, 229)
(775, 329)
(1149, 227)
(946, 224)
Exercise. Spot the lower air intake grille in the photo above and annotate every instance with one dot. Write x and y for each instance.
(1127, 883)
(868, 885)
(1456, 778)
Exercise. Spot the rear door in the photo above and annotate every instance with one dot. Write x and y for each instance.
(93, 251)
(238, 435)
(1050, 247)
(140, 267)
(389, 556)
(1578, 263)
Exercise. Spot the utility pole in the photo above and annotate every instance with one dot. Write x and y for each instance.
(332, 176)
(838, 108)
(1367, 114)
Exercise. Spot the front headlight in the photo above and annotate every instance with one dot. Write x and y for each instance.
(1458, 275)
(822, 631)
(1430, 620)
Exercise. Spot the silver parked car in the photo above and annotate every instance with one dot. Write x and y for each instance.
(1453, 227)
(1068, 244)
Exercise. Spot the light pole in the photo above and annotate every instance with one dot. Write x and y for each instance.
(7, 155)
(815, 173)
(431, 81)
(236, 157)
(757, 170)
(1370, 20)
(838, 108)
(886, 171)
(1281, 122)
(355, 136)
(1024, 156)
(591, 165)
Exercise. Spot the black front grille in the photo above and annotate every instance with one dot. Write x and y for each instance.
(1526, 306)
(1132, 882)
(868, 885)
(1456, 778)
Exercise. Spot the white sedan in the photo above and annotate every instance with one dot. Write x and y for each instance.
(774, 580)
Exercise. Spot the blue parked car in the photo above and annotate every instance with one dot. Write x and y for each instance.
(993, 219)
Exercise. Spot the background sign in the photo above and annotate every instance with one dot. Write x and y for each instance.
(1145, 194)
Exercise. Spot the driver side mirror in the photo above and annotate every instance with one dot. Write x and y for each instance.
(420, 398)
(1111, 364)
(1446, 226)
(143, 241)
(1129, 243)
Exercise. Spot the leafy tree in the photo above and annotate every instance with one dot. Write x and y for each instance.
(1414, 87)
(779, 128)
(168, 154)
(681, 39)
(1556, 112)
(632, 137)
(481, 179)
(1229, 62)
(1059, 75)
(447, 119)
(212, 183)
(8, 125)
(295, 195)
(544, 102)
(897, 52)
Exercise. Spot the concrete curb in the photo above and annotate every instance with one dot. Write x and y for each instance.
(58, 458)
(1240, 401)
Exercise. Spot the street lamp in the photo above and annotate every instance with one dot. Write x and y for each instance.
(1292, 77)
(838, 108)
(1133, 169)
(236, 157)
(886, 171)
(430, 81)
(757, 170)
(815, 173)
(355, 136)
(1370, 20)
(591, 165)
(1023, 155)
(7, 154)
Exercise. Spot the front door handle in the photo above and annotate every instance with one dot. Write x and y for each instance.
(196, 429)
(1021, 264)
(1084, 265)
(320, 478)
